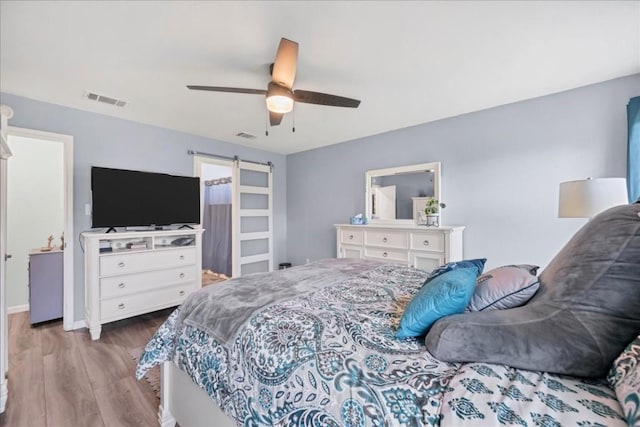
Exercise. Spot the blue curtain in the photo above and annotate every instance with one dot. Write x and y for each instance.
(633, 151)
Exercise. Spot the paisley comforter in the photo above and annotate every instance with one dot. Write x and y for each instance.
(324, 353)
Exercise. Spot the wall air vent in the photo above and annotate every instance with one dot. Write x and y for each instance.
(245, 135)
(105, 99)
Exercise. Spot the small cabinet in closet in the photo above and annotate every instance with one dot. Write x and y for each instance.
(45, 285)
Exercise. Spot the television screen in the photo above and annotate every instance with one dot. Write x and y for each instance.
(126, 198)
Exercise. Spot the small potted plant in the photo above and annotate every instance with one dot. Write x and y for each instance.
(432, 212)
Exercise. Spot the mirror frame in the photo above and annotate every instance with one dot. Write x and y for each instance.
(421, 167)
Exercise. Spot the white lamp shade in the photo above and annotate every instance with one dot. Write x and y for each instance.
(588, 197)
(279, 104)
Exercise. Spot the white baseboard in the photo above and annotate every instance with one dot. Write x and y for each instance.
(17, 308)
(78, 324)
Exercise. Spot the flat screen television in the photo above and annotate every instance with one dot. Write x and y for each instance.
(126, 198)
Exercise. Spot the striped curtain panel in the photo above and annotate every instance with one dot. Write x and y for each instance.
(633, 150)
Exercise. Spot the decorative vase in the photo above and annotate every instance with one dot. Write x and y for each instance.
(433, 220)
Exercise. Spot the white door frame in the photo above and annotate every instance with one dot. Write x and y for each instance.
(69, 236)
(237, 213)
(5, 153)
(198, 161)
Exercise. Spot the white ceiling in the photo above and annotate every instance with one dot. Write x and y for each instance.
(409, 62)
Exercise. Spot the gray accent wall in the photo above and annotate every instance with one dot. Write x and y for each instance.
(101, 140)
(501, 169)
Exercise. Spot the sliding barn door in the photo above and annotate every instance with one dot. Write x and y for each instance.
(253, 219)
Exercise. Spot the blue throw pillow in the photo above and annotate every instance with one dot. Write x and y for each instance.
(448, 293)
(465, 263)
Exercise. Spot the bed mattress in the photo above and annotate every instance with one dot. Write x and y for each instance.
(316, 345)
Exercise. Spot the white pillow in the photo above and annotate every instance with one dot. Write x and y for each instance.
(504, 287)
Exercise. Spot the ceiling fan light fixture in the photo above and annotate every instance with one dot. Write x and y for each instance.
(279, 104)
(279, 98)
(279, 95)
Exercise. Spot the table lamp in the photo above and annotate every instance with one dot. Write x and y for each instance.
(588, 197)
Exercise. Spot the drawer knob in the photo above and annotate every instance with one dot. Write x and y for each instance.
(384, 240)
(121, 285)
(351, 237)
(121, 264)
(181, 275)
(181, 293)
(426, 243)
(384, 254)
(121, 306)
(181, 257)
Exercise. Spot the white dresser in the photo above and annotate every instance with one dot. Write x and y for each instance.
(131, 273)
(418, 246)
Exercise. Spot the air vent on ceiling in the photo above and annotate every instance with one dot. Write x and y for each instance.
(245, 135)
(105, 99)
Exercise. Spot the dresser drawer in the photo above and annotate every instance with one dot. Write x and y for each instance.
(427, 241)
(386, 254)
(137, 282)
(130, 305)
(126, 263)
(351, 236)
(426, 260)
(387, 238)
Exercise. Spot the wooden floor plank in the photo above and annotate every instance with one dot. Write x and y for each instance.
(26, 403)
(68, 394)
(134, 332)
(59, 378)
(105, 362)
(54, 339)
(123, 403)
(22, 336)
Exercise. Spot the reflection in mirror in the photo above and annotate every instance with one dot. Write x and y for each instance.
(394, 194)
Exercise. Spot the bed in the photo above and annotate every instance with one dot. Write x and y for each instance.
(316, 345)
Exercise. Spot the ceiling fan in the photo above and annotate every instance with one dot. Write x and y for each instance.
(279, 94)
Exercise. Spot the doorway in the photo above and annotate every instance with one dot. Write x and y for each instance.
(216, 180)
(39, 191)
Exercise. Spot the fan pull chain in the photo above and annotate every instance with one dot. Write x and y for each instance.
(293, 119)
(266, 125)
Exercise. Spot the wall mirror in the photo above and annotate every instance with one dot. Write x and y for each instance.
(395, 194)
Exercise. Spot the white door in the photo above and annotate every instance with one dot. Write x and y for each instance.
(253, 209)
(386, 202)
(5, 153)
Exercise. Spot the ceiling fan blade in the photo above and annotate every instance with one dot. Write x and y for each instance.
(284, 67)
(309, 97)
(228, 89)
(275, 118)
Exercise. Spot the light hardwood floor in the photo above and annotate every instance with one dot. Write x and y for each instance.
(63, 379)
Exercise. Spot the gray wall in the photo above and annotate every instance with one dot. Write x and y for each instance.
(500, 172)
(500, 169)
(101, 140)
